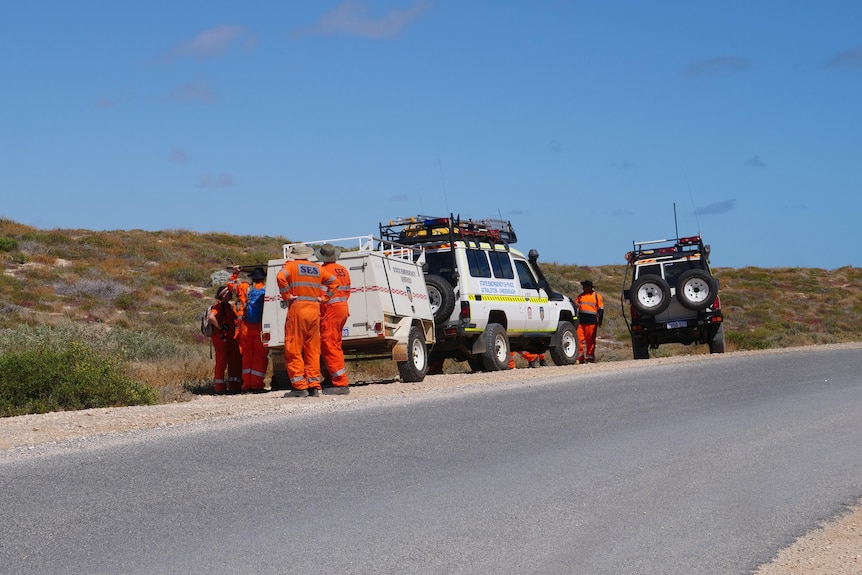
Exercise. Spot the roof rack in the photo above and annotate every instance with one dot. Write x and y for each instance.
(431, 229)
(679, 246)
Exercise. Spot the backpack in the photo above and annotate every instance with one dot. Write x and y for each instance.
(206, 326)
(253, 312)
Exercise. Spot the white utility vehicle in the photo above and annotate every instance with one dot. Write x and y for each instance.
(488, 298)
(390, 313)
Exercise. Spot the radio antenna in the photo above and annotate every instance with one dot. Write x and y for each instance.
(675, 224)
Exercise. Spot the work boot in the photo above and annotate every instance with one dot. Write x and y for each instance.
(543, 363)
(338, 390)
(297, 393)
(313, 392)
(534, 363)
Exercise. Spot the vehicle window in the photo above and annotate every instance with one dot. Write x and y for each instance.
(526, 275)
(478, 262)
(647, 270)
(502, 265)
(440, 264)
(672, 270)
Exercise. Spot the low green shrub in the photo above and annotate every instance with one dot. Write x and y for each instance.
(8, 244)
(74, 376)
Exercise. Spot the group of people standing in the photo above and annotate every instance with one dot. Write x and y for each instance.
(241, 359)
(315, 296)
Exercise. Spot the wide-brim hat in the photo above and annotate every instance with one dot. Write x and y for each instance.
(257, 274)
(301, 251)
(328, 253)
(587, 283)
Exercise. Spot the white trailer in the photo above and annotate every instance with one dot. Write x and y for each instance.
(390, 313)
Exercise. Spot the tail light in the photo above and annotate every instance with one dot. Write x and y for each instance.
(465, 311)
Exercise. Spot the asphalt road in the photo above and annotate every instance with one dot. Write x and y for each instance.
(701, 467)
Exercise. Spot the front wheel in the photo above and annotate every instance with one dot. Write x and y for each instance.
(566, 353)
(416, 366)
(496, 354)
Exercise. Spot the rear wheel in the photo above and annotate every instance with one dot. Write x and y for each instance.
(717, 343)
(640, 347)
(416, 366)
(650, 295)
(496, 354)
(566, 353)
(441, 296)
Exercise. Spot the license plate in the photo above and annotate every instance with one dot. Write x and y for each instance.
(675, 324)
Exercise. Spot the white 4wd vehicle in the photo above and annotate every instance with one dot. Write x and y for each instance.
(390, 313)
(673, 297)
(488, 299)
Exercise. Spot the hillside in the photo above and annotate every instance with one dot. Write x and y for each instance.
(155, 285)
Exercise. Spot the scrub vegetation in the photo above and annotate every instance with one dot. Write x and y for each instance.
(91, 319)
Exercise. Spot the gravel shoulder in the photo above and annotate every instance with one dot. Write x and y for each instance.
(833, 549)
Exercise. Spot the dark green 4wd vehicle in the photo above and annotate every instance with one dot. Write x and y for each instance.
(672, 297)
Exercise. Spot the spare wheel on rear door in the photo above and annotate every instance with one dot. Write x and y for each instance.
(650, 295)
(441, 296)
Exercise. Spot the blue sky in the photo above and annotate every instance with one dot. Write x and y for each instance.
(586, 123)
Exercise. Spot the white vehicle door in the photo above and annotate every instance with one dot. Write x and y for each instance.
(535, 299)
(499, 287)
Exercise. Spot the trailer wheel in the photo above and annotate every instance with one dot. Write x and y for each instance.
(416, 366)
(567, 352)
(496, 354)
(441, 296)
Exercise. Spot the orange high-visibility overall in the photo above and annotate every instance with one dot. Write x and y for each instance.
(226, 349)
(255, 356)
(333, 316)
(301, 284)
(591, 308)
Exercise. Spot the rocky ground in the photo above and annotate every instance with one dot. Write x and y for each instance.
(833, 549)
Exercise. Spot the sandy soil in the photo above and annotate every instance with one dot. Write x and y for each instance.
(833, 549)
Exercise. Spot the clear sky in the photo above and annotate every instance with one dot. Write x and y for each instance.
(585, 122)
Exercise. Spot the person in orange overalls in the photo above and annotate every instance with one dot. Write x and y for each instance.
(591, 313)
(533, 359)
(301, 285)
(227, 358)
(333, 316)
(255, 356)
